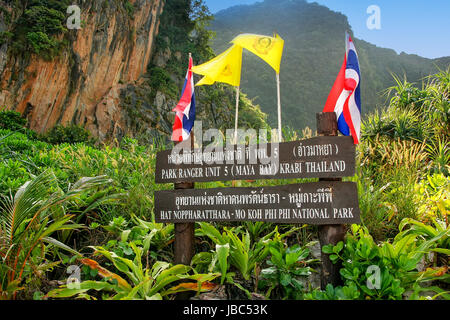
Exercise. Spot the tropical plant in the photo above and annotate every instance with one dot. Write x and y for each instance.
(286, 266)
(243, 254)
(432, 198)
(349, 292)
(389, 270)
(153, 237)
(215, 261)
(439, 230)
(144, 282)
(439, 153)
(29, 218)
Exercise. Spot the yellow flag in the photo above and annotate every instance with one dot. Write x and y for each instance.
(205, 80)
(226, 67)
(270, 49)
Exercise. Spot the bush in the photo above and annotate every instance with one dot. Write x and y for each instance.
(37, 28)
(12, 120)
(388, 270)
(69, 134)
(42, 44)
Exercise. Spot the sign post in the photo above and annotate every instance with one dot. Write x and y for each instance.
(184, 232)
(330, 233)
(329, 203)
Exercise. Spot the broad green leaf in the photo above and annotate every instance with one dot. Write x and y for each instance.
(222, 254)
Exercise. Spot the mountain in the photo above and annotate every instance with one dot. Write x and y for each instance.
(313, 54)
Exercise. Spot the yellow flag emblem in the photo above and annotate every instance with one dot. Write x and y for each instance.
(270, 49)
(226, 67)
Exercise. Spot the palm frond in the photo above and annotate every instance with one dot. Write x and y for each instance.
(27, 202)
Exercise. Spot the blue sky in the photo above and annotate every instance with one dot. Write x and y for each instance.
(414, 26)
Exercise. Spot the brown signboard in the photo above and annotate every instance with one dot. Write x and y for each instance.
(319, 157)
(324, 202)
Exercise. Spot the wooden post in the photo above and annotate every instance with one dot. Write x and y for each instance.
(184, 232)
(329, 234)
(184, 235)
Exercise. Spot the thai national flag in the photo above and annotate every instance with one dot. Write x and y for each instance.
(185, 109)
(345, 96)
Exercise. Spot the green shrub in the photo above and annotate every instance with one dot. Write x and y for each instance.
(36, 29)
(12, 120)
(387, 270)
(160, 80)
(42, 44)
(286, 268)
(70, 134)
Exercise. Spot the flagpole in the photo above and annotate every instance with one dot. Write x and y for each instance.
(346, 43)
(279, 107)
(236, 115)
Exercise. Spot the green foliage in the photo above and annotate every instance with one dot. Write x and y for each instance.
(396, 262)
(286, 266)
(132, 170)
(43, 19)
(215, 261)
(12, 120)
(234, 249)
(439, 154)
(146, 283)
(439, 232)
(181, 18)
(244, 255)
(160, 80)
(42, 44)
(405, 150)
(67, 134)
(413, 113)
(152, 237)
(27, 221)
(37, 26)
(432, 197)
(349, 292)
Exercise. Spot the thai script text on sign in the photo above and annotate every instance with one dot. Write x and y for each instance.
(315, 157)
(324, 202)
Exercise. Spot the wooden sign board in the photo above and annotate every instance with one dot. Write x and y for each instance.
(325, 202)
(315, 157)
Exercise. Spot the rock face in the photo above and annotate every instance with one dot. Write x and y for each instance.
(83, 84)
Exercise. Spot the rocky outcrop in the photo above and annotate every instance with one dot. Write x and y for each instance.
(84, 84)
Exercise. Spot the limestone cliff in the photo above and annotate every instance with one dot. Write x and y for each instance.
(120, 74)
(82, 85)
